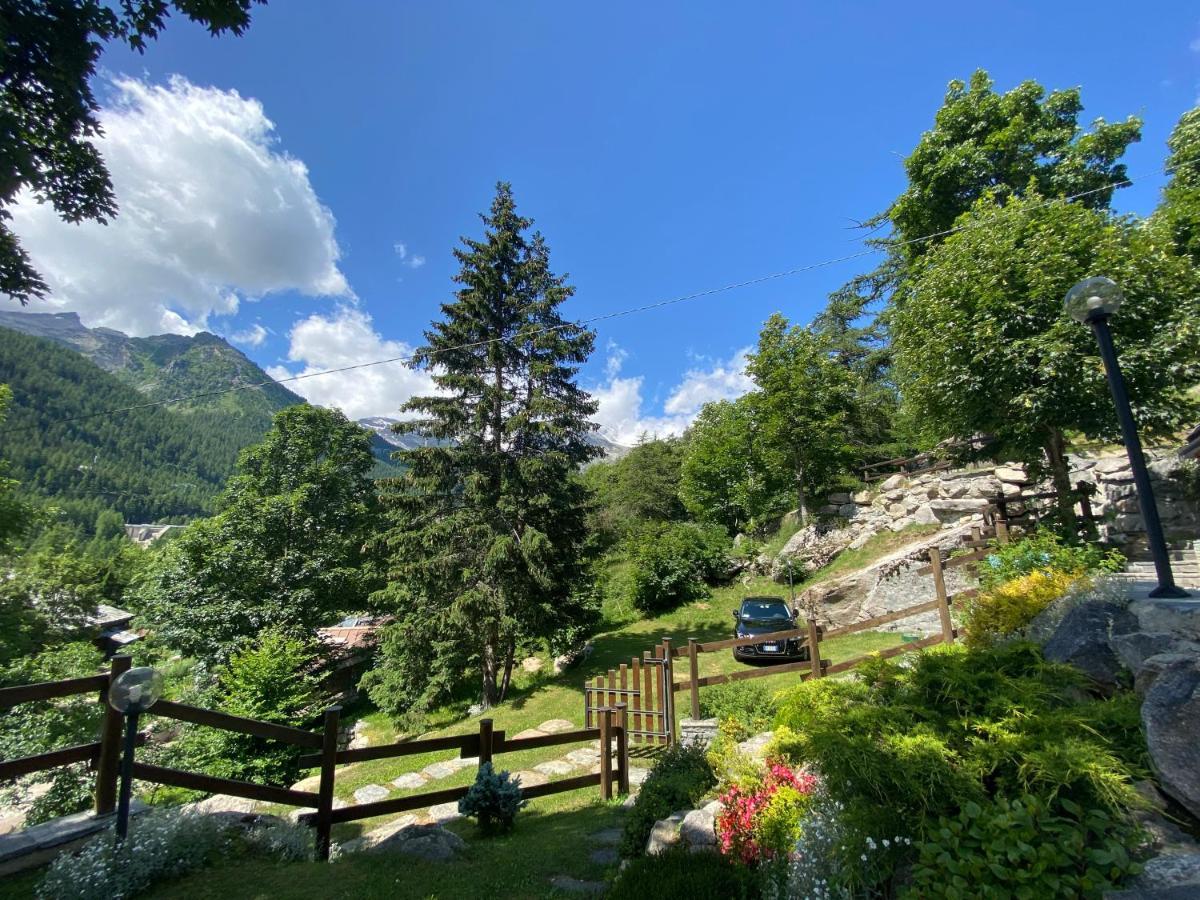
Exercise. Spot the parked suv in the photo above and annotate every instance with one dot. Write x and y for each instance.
(765, 616)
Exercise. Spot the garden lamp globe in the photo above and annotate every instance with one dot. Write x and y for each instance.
(1092, 299)
(136, 690)
(131, 694)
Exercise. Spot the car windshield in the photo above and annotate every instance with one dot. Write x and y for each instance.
(764, 609)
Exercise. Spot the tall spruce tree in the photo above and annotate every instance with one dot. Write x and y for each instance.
(487, 526)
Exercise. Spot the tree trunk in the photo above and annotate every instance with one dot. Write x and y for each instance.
(509, 658)
(802, 508)
(488, 664)
(1060, 476)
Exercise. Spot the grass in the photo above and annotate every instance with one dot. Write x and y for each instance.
(552, 833)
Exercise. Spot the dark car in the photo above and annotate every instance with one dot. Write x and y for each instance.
(765, 616)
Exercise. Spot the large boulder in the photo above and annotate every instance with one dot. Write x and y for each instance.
(1082, 640)
(1171, 720)
(698, 828)
(432, 842)
(809, 549)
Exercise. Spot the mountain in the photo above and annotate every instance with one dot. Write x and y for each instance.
(410, 440)
(157, 464)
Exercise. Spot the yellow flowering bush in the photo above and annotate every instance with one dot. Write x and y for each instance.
(1009, 607)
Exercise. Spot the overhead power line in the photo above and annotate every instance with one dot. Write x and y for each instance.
(634, 310)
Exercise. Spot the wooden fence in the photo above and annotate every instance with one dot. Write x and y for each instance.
(103, 755)
(642, 685)
(812, 634)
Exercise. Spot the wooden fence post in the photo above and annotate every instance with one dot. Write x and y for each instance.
(110, 744)
(1085, 507)
(606, 723)
(329, 748)
(814, 648)
(939, 585)
(622, 749)
(694, 671)
(1001, 518)
(668, 691)
(485, 741)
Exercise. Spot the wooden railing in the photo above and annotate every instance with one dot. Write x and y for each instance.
(104, 755)
(812, 635)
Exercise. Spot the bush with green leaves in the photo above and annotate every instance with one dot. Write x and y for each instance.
(269, 680)
(744, 707)
(493, 800)
(284, 841)
(674, 562)
(911, 741)
(1023, 847)
(161, 844)
(680, 777)
(678, 873)
(1044, 550)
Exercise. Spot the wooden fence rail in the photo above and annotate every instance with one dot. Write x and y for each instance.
(612, 732)
(812, 635)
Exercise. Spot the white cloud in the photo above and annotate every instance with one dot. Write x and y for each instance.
(344, 338)
(252, 336)
(621, 415)
(211, 212)
(413, 262)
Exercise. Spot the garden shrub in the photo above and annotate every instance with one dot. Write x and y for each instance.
(1008, 608)
(678, 780)
(284, 841)
(912, 741)
(1023, 847)
(760, 819)
(746, 705)
(161, 844)
(1041, 551)
(678, 873)
(673, 562)
(493, 800)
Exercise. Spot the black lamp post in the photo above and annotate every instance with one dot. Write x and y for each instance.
(1092, 302)
(134, 692)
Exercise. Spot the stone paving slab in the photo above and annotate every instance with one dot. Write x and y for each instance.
(410, 781)
(530, 778)
(555, 726)
(569, 885)
(609, 837)
(555, 767)
(370, 793)
(443, 769)
(605, 856)
(584, 756)
(529, 733)
(445, 812)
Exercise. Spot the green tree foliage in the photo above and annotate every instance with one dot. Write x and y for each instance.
(285, 552)
(731, 475)
(16, 515)
(271, 680)
(982, 343)
(51, 49)
(804, 405)
(1005, 146)
(1179, 212)
(487, 528)
(643, 485)
(673, 562)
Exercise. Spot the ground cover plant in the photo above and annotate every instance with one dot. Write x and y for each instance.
(942, 745)
(679, 873)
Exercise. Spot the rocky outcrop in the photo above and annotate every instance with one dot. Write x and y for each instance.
(1171, 720)
(694, 829)
(1083, 640)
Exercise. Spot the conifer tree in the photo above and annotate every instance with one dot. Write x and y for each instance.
(487, 525)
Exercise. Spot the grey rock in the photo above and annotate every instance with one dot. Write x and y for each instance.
(431, 842)
(1010, 474)
(604, 856)
(926, 516)
(756, 747)
(699, 732)
(445, 812)
(555, 767)
(862, 497)
(608, 837)
(584, 756)
(1135, 648)
(1178, 617)
(698, 830)
(847, 510)
(370, 793)
(1171, 720)
(893, 482)
(1154, 666)
(1082, 640)
(377, 836)
(442, 769)
(665, 833)
(475, 709)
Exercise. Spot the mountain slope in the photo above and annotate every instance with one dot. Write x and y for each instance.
(155, 465)
(151, 465)
(382, 426)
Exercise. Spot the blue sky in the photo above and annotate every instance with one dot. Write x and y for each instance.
(663, 148)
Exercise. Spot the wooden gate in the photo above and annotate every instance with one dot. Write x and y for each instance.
(644, 685)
